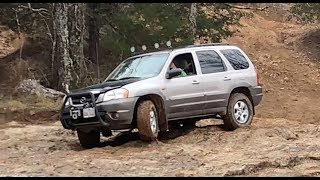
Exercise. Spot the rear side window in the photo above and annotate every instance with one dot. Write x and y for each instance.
(236, 58)
(210, 62)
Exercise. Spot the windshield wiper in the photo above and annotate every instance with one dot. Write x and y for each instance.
(122, 78)
(128, 78)
(112, 80)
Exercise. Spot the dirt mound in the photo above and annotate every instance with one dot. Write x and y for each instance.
(291, 80)
(6, 38)
(310, 45)
(26, 117)
(10, 41)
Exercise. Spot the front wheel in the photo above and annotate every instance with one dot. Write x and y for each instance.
(239, 112)
(147, 121)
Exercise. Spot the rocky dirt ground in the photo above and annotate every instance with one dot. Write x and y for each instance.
(283, 140)
(270, 147)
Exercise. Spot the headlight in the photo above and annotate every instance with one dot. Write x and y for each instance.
(116, 94)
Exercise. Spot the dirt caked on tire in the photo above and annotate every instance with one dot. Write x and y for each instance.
(239, 112)
(147, 121)
(88, 139)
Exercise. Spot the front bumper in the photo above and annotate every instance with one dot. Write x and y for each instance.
(114, 114)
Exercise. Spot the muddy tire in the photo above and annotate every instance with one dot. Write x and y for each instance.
(147, 121)
(239, 112)
(89, 139)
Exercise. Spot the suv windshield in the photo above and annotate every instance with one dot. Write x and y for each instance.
(139, 67)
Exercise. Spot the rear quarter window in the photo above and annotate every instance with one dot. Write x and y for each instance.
(236, 58)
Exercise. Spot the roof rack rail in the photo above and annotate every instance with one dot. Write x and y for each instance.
(203, 45)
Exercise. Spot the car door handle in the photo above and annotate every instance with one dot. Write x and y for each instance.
(226, 79)
(195, 82)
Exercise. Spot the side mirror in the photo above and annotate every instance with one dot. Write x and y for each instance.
(173, 73)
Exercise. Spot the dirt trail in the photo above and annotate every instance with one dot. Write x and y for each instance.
(283, 139)
(270, 147)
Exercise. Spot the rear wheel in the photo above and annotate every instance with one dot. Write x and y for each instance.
(147, 121)
(239, 112)
(88, 139)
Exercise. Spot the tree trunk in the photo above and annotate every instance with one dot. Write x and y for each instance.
(192, 18)
(53, 36)
(76, 33)
(66, 65)
(93, 29)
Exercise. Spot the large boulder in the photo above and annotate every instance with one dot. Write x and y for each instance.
(33, 87)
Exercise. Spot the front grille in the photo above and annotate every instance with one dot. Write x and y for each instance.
(76, 100)
(79, 102)
(81, 120)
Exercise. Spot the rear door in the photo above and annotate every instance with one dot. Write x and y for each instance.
(216, 80)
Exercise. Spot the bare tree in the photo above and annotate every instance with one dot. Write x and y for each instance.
(192, 18)
(61, 22)
(93, 30)
(76, 34)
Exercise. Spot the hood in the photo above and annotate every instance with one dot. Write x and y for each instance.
(105, 86)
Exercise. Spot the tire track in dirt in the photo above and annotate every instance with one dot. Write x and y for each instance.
(255, 168)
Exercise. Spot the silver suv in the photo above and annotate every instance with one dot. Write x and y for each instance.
(150, 90)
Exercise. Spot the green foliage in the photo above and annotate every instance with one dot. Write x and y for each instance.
(216, 26)
(132, 24)
(144, 24)
(307, 12)
(123, 25)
